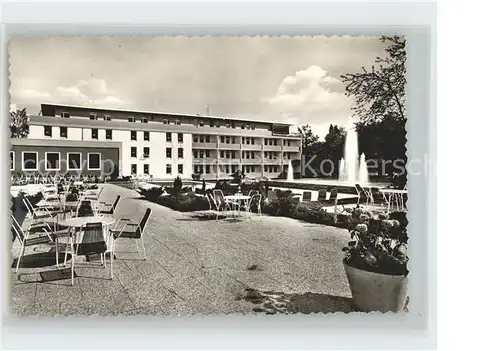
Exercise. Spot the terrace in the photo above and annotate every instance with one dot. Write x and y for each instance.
(265, 264)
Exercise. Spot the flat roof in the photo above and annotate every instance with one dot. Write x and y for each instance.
(64, 142)
(46, 106)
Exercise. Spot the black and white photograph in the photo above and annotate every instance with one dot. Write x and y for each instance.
(209, 175)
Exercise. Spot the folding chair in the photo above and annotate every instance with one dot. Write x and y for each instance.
(25, 240)
(132, 230)
(92, 242)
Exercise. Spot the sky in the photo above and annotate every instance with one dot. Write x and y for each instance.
(284, 79)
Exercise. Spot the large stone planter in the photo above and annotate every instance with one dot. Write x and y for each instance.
(377, 292)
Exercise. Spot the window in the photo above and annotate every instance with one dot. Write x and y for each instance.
(30, 161)
(202, 153)
(202, 138)
(201, 124)
(234, 168)
(253, 126)
(95, 133)
(248, 141)
(133, 135)
(144, 120)
(207, 138)
(166, 121)
(169, 152)
(47, 131)
(180, 169)
(177, 123)
(146, 169)
(52, 161)
(252, 169)
(145, 152)
(233, 154)
(275, 142)
(222, 154)
(195, 138)
(133, 151)
(109, 134)
(65, 114)
(207, 169)
(211, 125)
(180, 137)
(242, 126)
(169, 136)
(197, 169)
(207, 153)
(233, 125)
(228, 154)
(107, 118)
(253, 141)
(265, 141)
(228, 140)
(94, 161)
(74, 161)
(131, 119)
(265, 168)
(227, 169)
(169, 169)
(63, 132)
(146, 136)
(12, 160)
(180, 153)
(253, 154)
(222, 139)
(233, 140)
(93, 116)
(195, 153)
(133, 170)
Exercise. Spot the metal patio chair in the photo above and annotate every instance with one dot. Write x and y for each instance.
(131, 230)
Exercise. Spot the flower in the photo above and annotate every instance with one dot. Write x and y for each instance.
(362, 228)
(395, 223)
(386, 224)
(364, 217)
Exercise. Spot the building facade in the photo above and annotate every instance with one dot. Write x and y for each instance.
(169, 145)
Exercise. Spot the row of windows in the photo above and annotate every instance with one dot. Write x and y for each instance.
(52, 161)
(272, 169)
(145, 152)
(201, 138)
(145, 169)
(201, 153)
(271, 154)
(200, 122)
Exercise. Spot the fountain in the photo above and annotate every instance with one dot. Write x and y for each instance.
(289, 175)
(353, 169)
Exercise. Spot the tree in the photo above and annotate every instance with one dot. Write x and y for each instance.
(19, 124)
(308, 138)
(380, 92)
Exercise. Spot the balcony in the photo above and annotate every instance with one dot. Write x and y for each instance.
(273, 161)
(205, 161)
(198, 145)
(224, 146)
(251, 161)
(272, 147)
(291, 148)
(251, 147)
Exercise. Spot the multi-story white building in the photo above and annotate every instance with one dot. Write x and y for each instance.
(167, 145)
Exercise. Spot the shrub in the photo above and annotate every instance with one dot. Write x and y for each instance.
(184, 202)
(378, 244)
(176, 190)
(71, 197)
(152, 193)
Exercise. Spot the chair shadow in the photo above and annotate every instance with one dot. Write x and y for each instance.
(39, 260)
(270, 302)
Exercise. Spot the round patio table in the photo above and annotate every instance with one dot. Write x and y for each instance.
(235, 200)
(398, 194)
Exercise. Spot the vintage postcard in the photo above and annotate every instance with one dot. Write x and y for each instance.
(208, 175)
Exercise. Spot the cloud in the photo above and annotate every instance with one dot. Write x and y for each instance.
(313, 97)
(93, 92)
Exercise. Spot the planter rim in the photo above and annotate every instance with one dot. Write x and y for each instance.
(364, 270)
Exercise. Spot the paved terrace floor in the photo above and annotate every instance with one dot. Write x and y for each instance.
(265, 265)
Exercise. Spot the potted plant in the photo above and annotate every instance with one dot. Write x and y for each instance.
(375, 262)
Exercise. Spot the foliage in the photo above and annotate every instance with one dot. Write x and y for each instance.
(184, 202)
(378, 244)
(152, 192)
(237, 177)
(19, 124)
(71, 197)
(380, 91)
(308, 137)
(176, 190)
